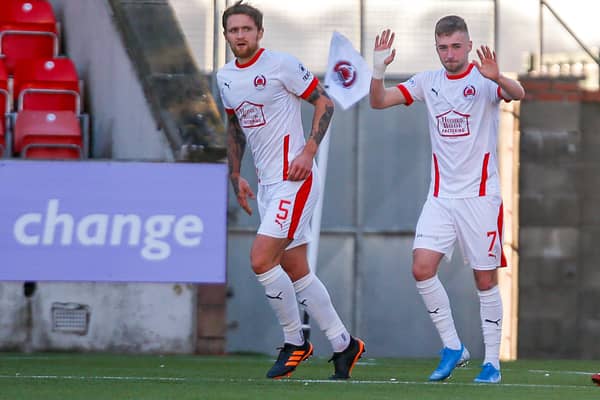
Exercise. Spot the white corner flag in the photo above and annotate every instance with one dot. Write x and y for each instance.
(347, 80)
(348, 75)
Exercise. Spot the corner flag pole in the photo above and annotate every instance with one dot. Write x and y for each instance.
(315, 223)
(347, 80)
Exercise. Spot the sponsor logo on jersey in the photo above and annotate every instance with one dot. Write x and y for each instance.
(345, 73)
(453, 124)
(250, 115)
(307, 75)
(260, 82)
(469, 91)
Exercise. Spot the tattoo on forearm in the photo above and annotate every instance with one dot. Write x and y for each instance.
(316, 94)
(323, 123)
(236, 145)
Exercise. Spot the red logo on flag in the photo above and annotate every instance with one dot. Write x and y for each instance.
(346, 73)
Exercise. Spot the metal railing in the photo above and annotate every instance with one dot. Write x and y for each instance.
(541, 62)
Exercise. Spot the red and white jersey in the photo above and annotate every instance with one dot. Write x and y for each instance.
(463, 115)
(265, 94)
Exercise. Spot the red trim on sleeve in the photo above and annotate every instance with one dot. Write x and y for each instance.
(436, 180)
(286, 149)
(484, 174)
(503, 262)
(406, 93)
(229, 111)
(502, 97)
(299, 204)
(310, 88)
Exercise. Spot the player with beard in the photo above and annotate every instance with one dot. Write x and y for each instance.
(262, 92)
(464, 202)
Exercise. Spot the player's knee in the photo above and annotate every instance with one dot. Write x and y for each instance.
(422, 271)
(486, 281)
(485, 285)
(261, 262)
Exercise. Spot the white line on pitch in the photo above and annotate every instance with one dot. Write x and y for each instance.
(541, 371)
(291, 381)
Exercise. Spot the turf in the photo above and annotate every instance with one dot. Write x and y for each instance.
(106, 376)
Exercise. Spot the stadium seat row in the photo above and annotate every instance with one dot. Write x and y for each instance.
(40, 92)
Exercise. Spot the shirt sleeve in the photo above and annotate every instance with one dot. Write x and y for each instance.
(412, 89)
(296, 77)
(499, 95)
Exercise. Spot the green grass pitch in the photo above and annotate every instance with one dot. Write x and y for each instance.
(77, 376)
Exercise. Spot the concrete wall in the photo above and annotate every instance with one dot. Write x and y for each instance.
(559, 220)
(122, 124)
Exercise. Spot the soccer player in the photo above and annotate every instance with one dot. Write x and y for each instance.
(596, 379)
(262, 92)
(464, 202)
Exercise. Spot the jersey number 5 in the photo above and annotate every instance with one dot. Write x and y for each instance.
(284, 208)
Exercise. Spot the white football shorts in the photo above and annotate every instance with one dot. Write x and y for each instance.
(475, 222)
(286, 209)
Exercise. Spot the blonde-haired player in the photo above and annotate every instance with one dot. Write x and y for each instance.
(464, 203)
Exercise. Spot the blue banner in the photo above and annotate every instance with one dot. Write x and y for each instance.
(112, 221)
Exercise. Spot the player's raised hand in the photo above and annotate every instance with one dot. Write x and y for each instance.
(383, 44)
(243, 193)
(487, 64)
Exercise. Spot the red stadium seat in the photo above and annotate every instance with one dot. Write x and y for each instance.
(34, 15)
(47, 84)
(48, 135)
(4, 109)
(28, 29)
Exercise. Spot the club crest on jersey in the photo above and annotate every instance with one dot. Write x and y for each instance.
(250, 115)
(260, 82)
(469, 91)
(452, 124)
(345, 73)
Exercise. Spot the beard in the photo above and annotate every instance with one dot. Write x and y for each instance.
(244, 52)
(454, 67)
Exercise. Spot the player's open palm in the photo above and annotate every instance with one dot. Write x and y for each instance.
(243, 193)
(383, 44)
(487, 65)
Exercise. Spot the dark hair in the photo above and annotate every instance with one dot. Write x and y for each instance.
(450, 24)
(246, 9)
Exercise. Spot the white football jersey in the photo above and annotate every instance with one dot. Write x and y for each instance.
(265, 94)
(463, 115)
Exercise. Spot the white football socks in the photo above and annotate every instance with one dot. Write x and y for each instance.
(438, 305)
(490, 310)
(282, 298)
(313, 295)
